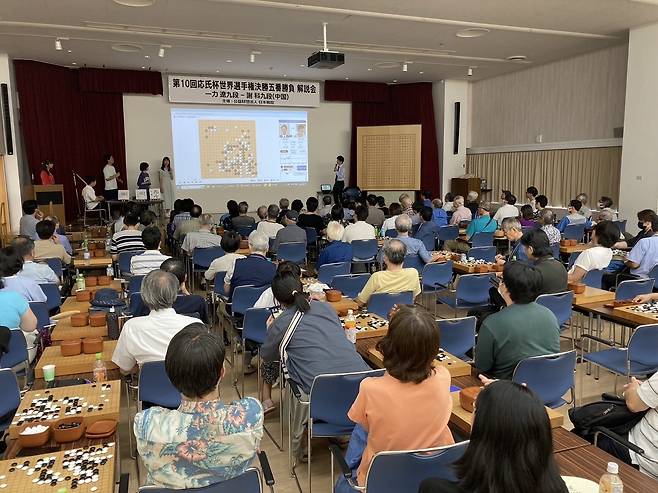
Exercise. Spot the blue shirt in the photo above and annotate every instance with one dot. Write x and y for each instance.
(427, 233)
(64, 241)
(572, 219)
(12, 307)
(645, 253)
(38, 272)
(427, 203)
(144, 180)
(481, 224)
(254, 270)
(27, 288)
(336, 251)
(415, 247)
(440, 217)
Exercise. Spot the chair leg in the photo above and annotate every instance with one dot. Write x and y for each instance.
(309, 430)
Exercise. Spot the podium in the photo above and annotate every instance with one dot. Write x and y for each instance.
(51, 200)
(461, 186)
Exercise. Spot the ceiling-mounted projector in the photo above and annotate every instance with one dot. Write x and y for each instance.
(325, 58)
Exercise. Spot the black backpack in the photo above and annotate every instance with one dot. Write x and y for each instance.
(611, 413)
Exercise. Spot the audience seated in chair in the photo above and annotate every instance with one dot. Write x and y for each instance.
(413, 245)
(40, 273)
(59, 235)
(573, 217)
(360, 230)
(146, 338)
(261, 212)
(547, 220)
(521, 447)
(91, 200)
(597, 256)
(375, 214)
(531, 194)
(472, 202)
(584, 210)
(253, 270)
(395, 279)
(11, 264)
(389, 223)
(483, 223)
(460, 213)
(539, 253)
(508, 209)
(31, 216)
(204, 441)
(439, 215)
(336, 250)
(48, 246)
(230, 243)
(291, 233)
(427, 231)
(527, 217)
(605, 205)
(192, 224)
(151, 258)
(646, 230)
(310, 218)
(513, 231)
(325, 210)
(129, 239)
(203, 238)
(243, 220)
(270, 227)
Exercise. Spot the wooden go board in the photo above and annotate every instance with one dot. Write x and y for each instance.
(81, 470)
(368, 325)
(91, 402)
(72, 365)
(593, 295)
(64, 331)
(92, 263)
(455, 366)
(344, 305)
(388, 157)
(645, 313)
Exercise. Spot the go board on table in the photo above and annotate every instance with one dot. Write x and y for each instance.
(368, 325)
(593, 295)
(73, 365)
(92, 263)
(84, 470)
(455, 366)
(642, 313)
(64, 331)
(91, 402)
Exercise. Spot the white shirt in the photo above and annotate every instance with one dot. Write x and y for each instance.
(270, 229)
(645, 433)
(340, 173)
(89, 197)
(150, 260)
(504, 211)
(200, 239)
(360, 230)
(448, 207)
(325, 210)
(108, 171)
(224, 263)
(595, 258)
(389, 224)
(266, 300)
(39, 273)
(145, 339)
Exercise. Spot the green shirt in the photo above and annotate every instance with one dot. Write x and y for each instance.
(515, 333)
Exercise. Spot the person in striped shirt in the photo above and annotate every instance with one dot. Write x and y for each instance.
(152, 258)
(129, 239)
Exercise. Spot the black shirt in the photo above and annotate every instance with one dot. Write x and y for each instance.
(641, 235)
(554, 275)
(311, 221)
(436, 485)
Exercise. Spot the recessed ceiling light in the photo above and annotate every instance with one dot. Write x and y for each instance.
(229, 61)
(217, 70)
(517, 58)
(74, 63)
(405, 67)
(285, 75)
(126, 47)
(143, 67)
(303, 66)
(58, 45)
(472, 32)
(347, 78)
(69, 51)
(161, 52)
(395, 80)
(147, 56)
(369, 70)
(135, 3)
(421, 73)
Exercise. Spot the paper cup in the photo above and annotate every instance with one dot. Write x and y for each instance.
(86, 255)
(49, 373)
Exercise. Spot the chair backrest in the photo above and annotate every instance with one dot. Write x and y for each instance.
(350, 285)
(482, 239)
(136, 304)
(245, 231)
(457, 335)
(244, 297)
(559, 304)
(124, 261)
(448, 233)
(549, 376)
(218, 288)
(413, 262)
(53, 296)
(593, 278)
(621, 225)
(627, 290)
(381, 303)
(56, 265)
(403, 471)
(391, 233)
(572, 259)
(40, 310)
(364, 250)
(135, 284)
(11, 394)
(437, 275)
(247, 482)
(555, 248)
(17, 353)
(155, 387)
(293, 252)
(327, 272)
(473, 288)
(574, 232)
(254, 326)
(203, 257)
(642, 346)
(311, 236)
(332, 396)
(429, 241)
(653, 274)
(488, 254)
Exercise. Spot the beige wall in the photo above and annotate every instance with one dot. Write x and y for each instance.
(579, 98)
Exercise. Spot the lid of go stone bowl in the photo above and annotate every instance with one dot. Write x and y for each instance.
(107, 297)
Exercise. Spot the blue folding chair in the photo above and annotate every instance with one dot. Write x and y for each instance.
(350, 285)
(40, 310)
(621, 225)
(414, 262)
(593, 278)
(155, 388)
(653, 274)
(135, 284)
(402, 471)
(391, 233)
(327, 272)
(627, 290)
(11, 398)
(202, 258)
(457, 335)
(482, 239)
(382, 303)
(254, 329)
(53, 296)
(292, 252)
(245, 297)
(488, 254)
(245, 231)
(572, 259)
(471, 291)
(56, 265)
(17, 358)
(429, 242)
(574, 232)
(436, 276)
(124, 262)
(550, 376)
(447, 233)
(555, 248)
(559, 304)
(364, 252)
(311, 237)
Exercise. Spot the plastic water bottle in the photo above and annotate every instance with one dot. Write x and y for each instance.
(112, 324)
(100, 370)
(610, 481)
(110, 271)
(80, 282)
(350, 326)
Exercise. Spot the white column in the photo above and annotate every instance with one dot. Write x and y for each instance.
(639, 163)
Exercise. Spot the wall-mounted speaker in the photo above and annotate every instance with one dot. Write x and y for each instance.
(455, 145)
(7, 141)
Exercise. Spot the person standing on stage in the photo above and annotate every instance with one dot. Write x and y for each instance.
(112, 178)
(167, 184)
(144, 179)
(46, 175)
(339, 184)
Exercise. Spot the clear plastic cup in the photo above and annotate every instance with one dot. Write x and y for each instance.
(49, 373)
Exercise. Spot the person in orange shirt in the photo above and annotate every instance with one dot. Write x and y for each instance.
(409, 407)
(46, 175)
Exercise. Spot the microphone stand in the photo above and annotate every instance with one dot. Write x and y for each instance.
(77, 177)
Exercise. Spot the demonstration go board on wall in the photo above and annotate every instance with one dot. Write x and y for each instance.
(388, 157)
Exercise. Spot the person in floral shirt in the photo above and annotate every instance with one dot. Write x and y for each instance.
(204, 441)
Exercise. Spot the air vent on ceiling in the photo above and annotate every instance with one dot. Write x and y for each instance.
(135, 3)
(517, 58)
(126, 47)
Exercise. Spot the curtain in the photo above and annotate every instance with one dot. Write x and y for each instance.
(559, 174)
(120, 81)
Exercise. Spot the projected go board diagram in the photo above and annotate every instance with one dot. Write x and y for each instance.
(228, 148)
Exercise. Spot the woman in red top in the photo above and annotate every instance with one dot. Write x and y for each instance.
(47, 177)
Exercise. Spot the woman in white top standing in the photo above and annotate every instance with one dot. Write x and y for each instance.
(167, 184)
(597, 256)
(112, 179)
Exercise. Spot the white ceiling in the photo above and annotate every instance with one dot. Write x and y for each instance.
(204, 34)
